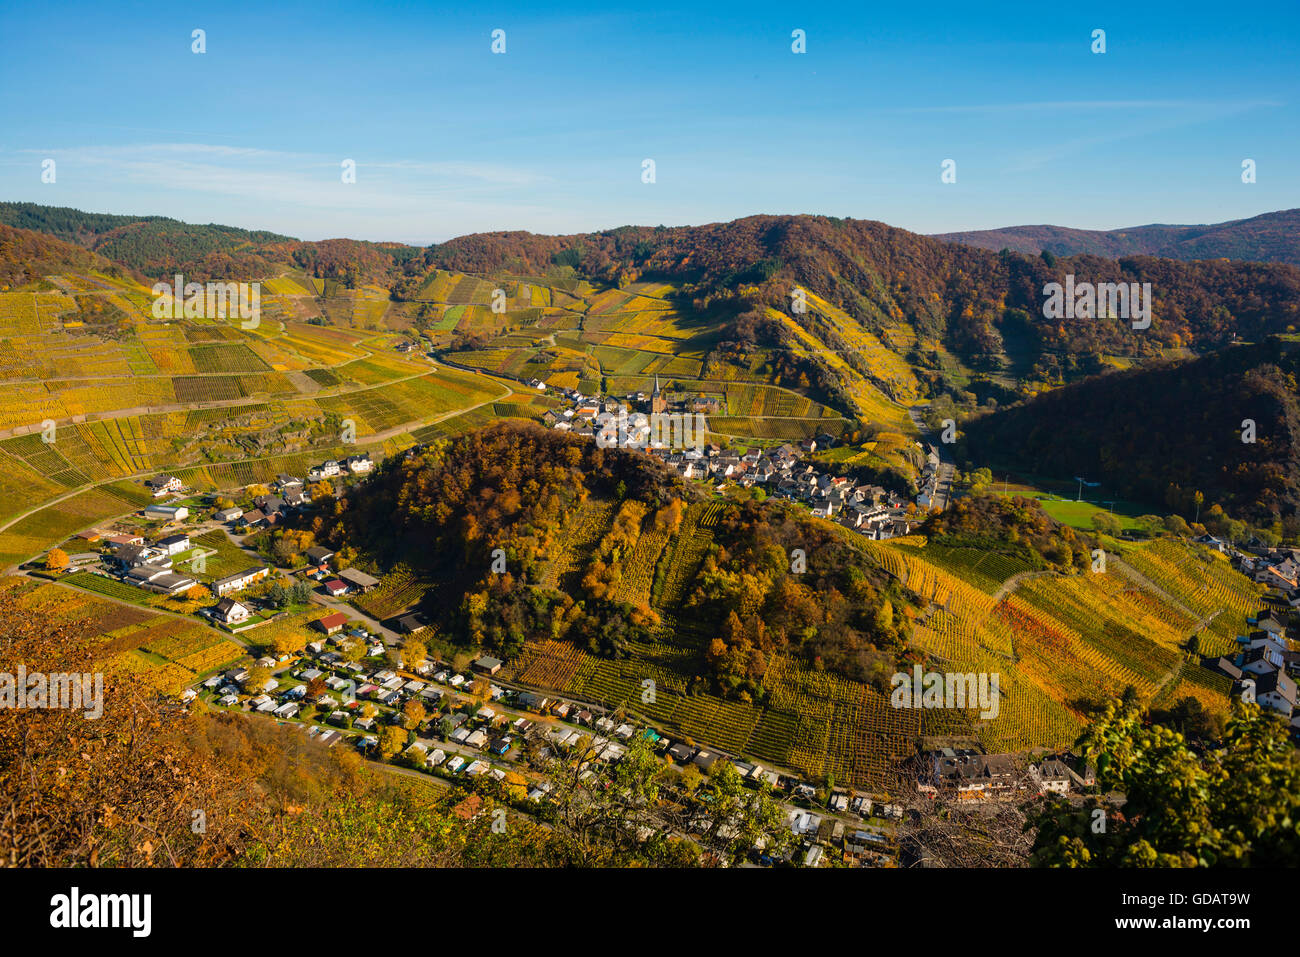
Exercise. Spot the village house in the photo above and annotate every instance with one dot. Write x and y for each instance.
(1051, 776)
(134, 556)
(229, 611)
(240, 580)
(269, 504)
(162, 485)
(173, 544)
(533, 702)
(969, 774)
(1276, 690)
(318, 555)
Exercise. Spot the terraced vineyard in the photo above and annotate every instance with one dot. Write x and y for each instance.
(1202, 581)
(577, 540)
(1056, 643)
(397, 590)
(216, 404)
(160, 651)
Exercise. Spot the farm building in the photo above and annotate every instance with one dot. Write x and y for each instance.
(334, 587)
(228, 514)
(168, 513)
(358, 580)
(487, 665)
(332, 623)
(159, 580)
(409, 624)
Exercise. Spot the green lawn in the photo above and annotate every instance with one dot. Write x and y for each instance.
(1079, 514)
(229, 557)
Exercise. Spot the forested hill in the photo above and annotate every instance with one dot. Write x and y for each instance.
(1163, 434)
(984, 307)
(970, 299)
(607, 550)
(152, 245)
(1270, 237)
(27, 256)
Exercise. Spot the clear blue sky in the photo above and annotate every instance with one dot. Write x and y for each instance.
(449, 138)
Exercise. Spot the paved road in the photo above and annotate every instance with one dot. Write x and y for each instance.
(391, 638)
(947, 463)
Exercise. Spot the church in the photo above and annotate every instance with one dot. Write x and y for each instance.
(657, 401)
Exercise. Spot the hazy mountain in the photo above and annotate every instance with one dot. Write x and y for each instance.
(1270, 237)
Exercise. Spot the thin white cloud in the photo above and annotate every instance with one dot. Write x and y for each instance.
(302, 194)
(1067, 105)
(306, 178)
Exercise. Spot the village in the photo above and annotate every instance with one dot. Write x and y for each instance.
(468, 725)
(780, 471)
(1263, 668)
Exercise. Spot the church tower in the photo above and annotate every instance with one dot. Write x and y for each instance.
(657, 401)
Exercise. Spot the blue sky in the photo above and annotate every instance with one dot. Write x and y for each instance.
(449, 138)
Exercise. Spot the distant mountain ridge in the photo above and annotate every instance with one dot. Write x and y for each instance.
(149, 244)
(1270, 237)
(916, 294)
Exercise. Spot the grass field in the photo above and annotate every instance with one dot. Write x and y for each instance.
(1079, 514)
